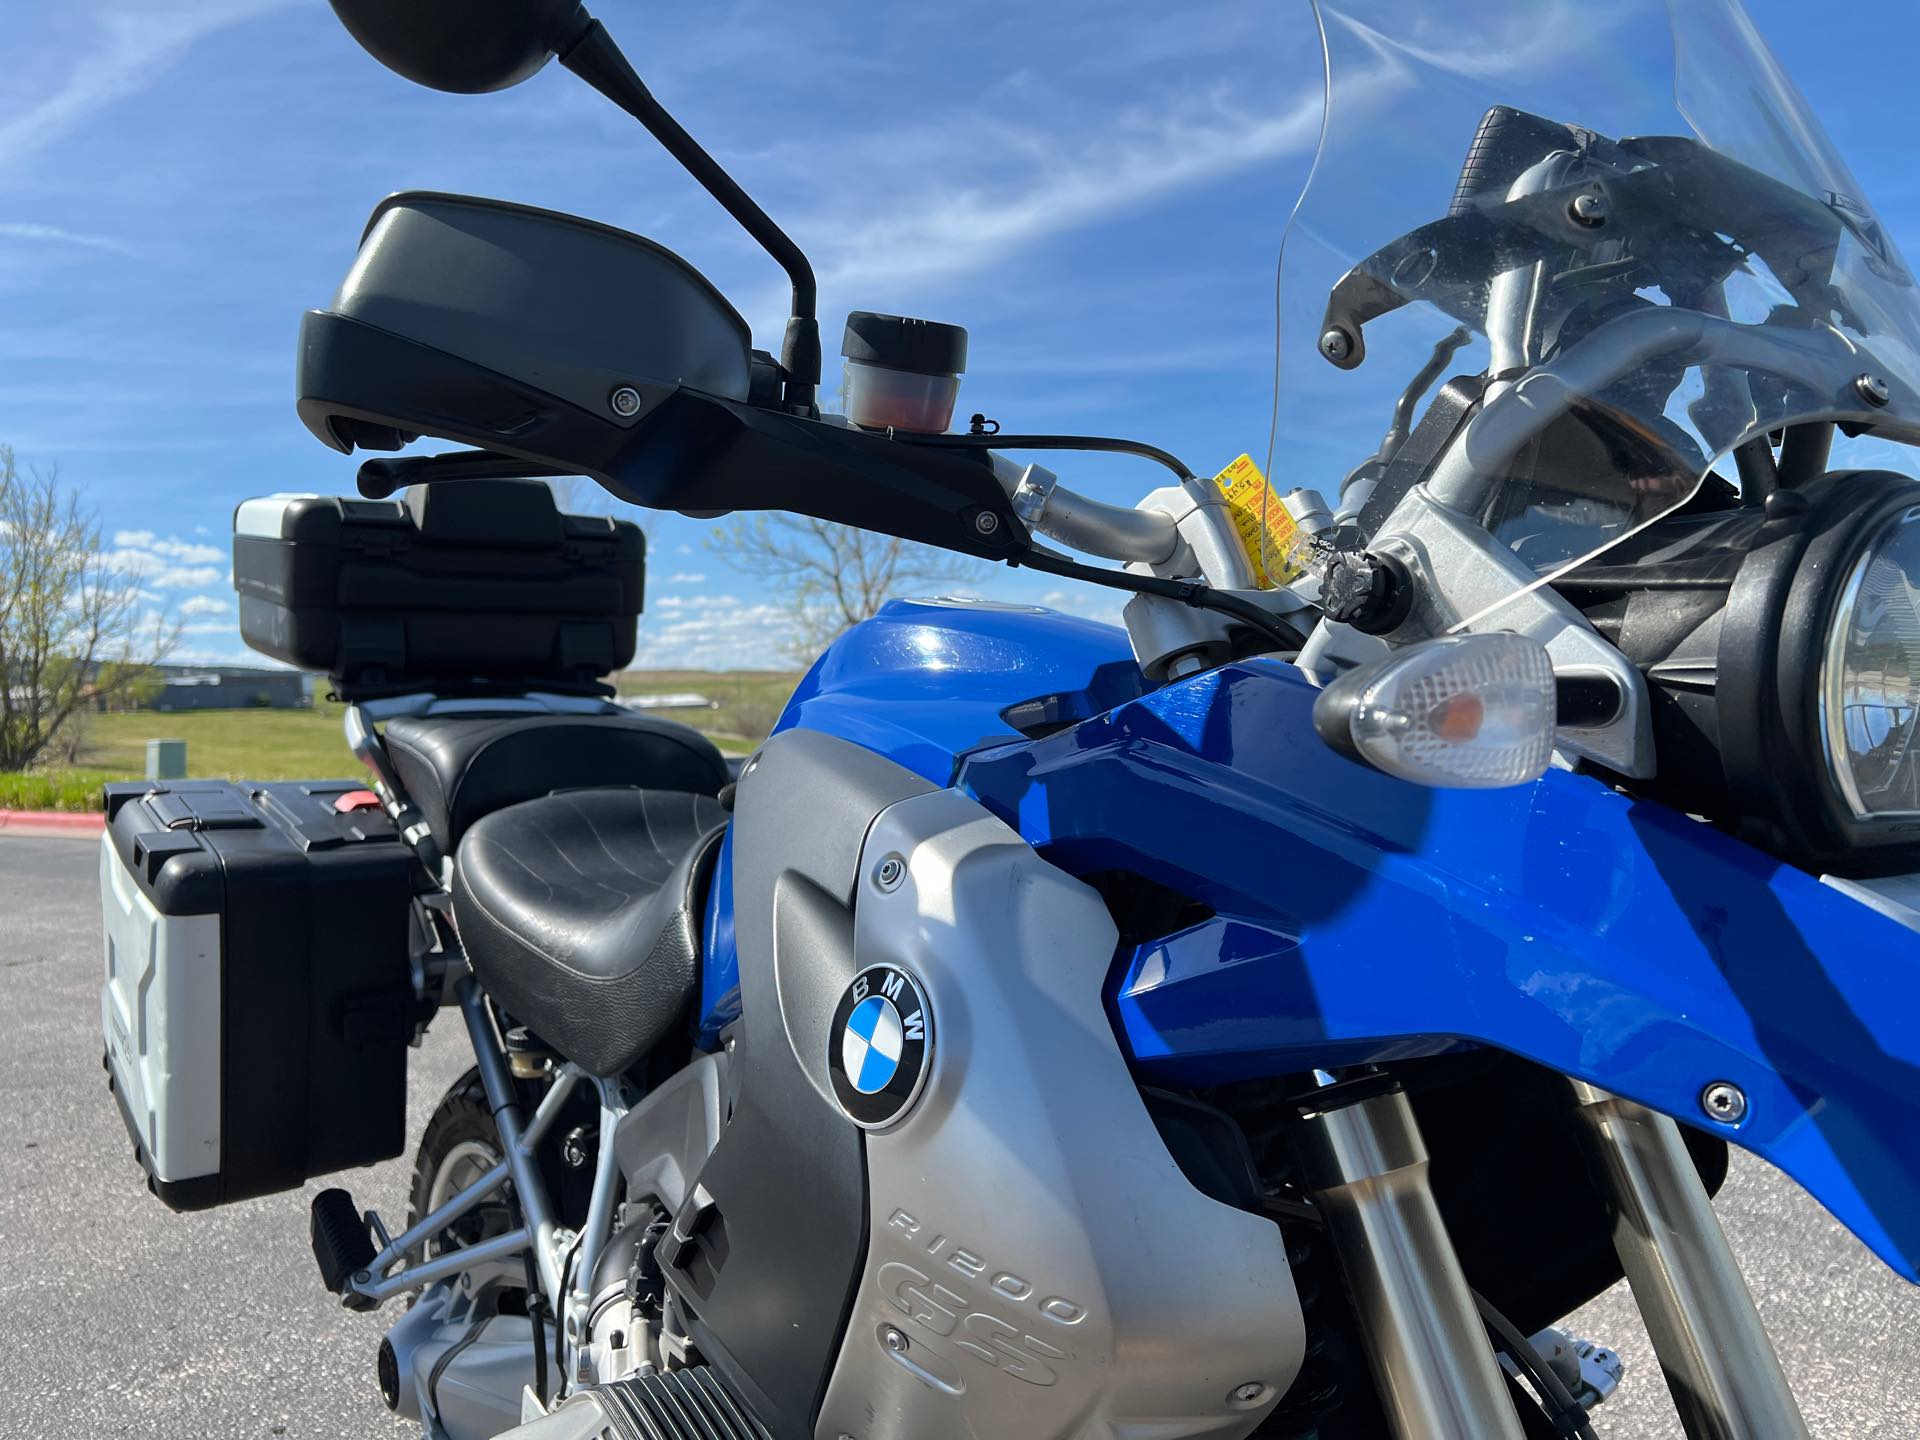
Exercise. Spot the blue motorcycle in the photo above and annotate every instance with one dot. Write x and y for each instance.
(1266, 1017)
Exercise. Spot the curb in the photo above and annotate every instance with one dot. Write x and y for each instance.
(51, 824)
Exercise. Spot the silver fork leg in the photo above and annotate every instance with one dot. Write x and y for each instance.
(1720, 1366)
(1367, 1168)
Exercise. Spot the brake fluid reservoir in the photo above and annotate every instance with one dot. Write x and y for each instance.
(902, 373)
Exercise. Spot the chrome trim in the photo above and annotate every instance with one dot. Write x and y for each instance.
(1367, 1168)
(1720, 1366)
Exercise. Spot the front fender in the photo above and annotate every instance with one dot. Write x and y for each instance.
(1355, 917)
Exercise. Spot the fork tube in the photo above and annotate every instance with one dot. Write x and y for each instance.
(1725, 1379)
(528, 1187)
(1367, 1168)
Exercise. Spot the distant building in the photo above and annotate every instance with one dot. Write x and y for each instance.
(229, 687)
(679, 700)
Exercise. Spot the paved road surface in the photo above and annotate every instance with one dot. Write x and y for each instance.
(118, 1317)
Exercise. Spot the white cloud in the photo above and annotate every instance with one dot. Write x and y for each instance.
(166, 562)
(185, 552)
(714, 632)
(161, 576)
(1035, 185)
(54, 235)
(687, 577)
(138, 44)
(204, 605)
(1088, 603)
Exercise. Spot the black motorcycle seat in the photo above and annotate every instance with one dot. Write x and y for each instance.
(457, 768)
(580, 913)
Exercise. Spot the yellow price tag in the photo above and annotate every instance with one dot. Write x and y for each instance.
(1246, 490)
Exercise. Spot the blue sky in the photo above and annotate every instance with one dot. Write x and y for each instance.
(1094, 190)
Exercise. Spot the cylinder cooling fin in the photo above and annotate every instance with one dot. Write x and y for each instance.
(688, 1404)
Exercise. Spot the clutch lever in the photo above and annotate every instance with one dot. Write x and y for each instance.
(379, 479)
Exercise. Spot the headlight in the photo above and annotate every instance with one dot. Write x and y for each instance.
(1781, 649)
(1870, 680)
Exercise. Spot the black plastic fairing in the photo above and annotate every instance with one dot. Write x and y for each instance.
(689, 451)
(1727, 614)
(573, 306)
(1780, 613)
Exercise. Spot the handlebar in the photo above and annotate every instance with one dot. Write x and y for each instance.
(1113, 532)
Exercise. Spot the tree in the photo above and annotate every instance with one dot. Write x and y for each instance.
(72, 631)
(835, 576)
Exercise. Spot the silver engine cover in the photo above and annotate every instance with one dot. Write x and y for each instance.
(1049, 1269)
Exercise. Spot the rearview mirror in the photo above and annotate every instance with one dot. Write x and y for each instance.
(466, 46)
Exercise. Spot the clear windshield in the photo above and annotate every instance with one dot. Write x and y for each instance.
(1624, 231)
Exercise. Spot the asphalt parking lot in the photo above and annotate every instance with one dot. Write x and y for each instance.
(118, 1317)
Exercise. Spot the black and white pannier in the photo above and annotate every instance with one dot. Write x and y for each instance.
(258, 1000)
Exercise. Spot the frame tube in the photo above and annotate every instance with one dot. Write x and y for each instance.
(451, 1263)
(432, 1224)
(530, 1189)
(548, 1109)
(606, 1170)
(1720, 1366)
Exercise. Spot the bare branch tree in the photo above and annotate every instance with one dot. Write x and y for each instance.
(72, 632)
(834, 576)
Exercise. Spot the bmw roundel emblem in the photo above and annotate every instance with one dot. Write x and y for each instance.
(879, 1046)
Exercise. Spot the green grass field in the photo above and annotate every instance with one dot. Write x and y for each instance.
(308, 744)
(746, 702)
(237, 744)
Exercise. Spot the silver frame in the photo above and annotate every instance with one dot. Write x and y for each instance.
(568, 1289)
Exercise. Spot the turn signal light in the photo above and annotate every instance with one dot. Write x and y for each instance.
(1472, 712)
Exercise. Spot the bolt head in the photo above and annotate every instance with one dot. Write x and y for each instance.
(1589, 208)
(1873, 390)
(625, 401)
(894, 1340)
(986, 522)
(1336, 344)
(890, 873)
(1247, 1394)
(1724, 1102)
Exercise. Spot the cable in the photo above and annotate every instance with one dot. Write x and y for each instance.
(1562, 1408)
(559, 1324)
(1187, 592)
(536, 1308)
(1104, 444)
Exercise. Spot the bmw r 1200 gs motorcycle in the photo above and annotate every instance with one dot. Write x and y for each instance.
(1260, 1020)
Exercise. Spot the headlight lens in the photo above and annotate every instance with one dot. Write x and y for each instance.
(1870, 681)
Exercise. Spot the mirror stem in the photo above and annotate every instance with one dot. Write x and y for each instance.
(597, 60)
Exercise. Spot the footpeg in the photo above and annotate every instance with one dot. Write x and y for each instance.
(341, 1246)
(1590, 1371)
